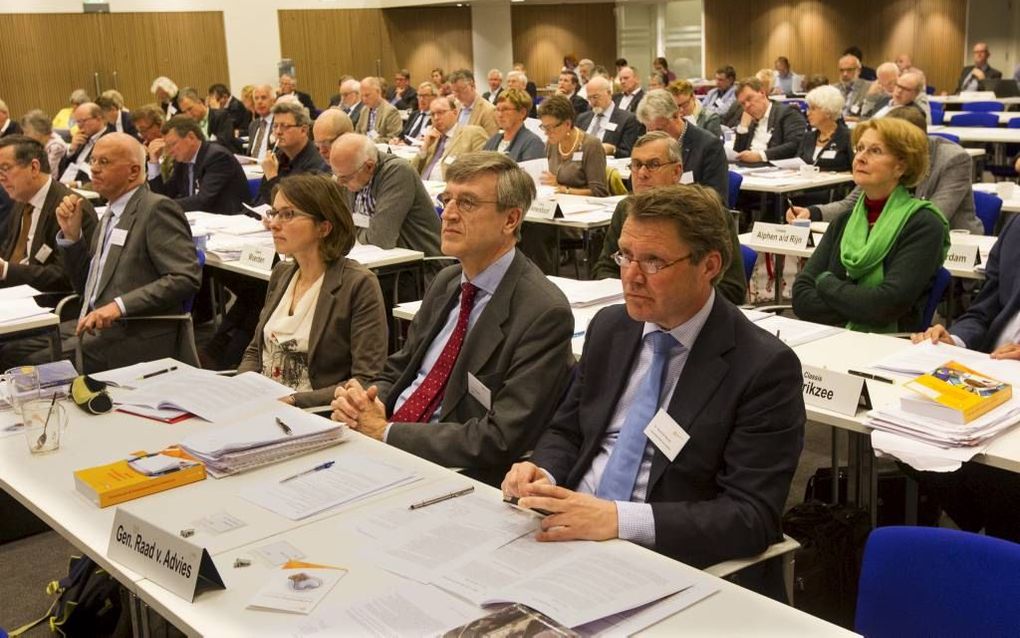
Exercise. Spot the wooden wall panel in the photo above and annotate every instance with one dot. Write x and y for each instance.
(543, 34)
(426, 38)
(750, 34)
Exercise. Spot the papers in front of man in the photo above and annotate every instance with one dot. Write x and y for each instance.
(589, 293)
(20, 309)
(925, 356)
(297, 587)
(794, 332)
(24, 291)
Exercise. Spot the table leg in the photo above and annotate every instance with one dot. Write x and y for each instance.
(136, 627)
(834, 497)
(56, 349)
(780, 261)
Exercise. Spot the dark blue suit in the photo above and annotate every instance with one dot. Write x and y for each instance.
(999, 299)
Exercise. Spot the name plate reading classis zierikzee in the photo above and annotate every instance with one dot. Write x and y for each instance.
(836, 391)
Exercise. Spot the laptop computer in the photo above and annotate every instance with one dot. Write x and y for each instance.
(1002, 88)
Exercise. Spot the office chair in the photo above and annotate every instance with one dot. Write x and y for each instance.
(988, 207)
(982, 107)
(946, 136)
(982, 120)
(736, 179)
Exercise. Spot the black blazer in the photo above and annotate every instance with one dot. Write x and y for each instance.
(999, 300)
(307, 160)
(408, 101)
(15, 129)
(306, 101)
(787, 126)
(632, 107)
(490, 98)
(990, 74)
(416, 124)
(221, 186)
(240, 116)
(127, 125)
(580, 104)
(355, 113)
(253, 131)
(839, 144)
(704, 156)
(525, 145)
(739, 397)
(628, 129)
(221, 130)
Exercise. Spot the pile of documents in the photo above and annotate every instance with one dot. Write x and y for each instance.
(581, 294)
(794, 332)
(17, 305)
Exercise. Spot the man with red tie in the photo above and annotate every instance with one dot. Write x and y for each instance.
(488, 355)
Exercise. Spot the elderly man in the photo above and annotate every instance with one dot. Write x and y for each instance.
(165, 91)
(881, 90)
(219, 97)
(473, 110)
(495, 80)
(294, 151)
(617, 128)
(584, 70)
(973, 74)
(446, 140)
(702, 154)
(216, 124)
(331, 124)
(656, 161)
(7, 125)
(205, 176)
(909, 89)
(722, 97)
(568, 87)
(768, 130)
(263, 96)
(519, 80)
(288, 86)
(418, 123)
(488, 355)
(378, 118)
(853, 88)
(91, 127)
(349, 99)
(684, 423)
(28, 248)
(402, 95)
(630, 90)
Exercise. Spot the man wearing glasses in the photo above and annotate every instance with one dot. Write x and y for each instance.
(684, 423)
(655, 161)
(908, 90)
(74, 168)
(488, 354)
(293, 152)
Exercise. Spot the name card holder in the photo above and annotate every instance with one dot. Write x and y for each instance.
(963, 256)
(545, 208)
(837, 391)
(259, 256)
(782, 236)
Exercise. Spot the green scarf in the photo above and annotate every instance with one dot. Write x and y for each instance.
(862, 252)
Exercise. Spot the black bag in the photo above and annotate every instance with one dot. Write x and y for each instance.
(892, 496)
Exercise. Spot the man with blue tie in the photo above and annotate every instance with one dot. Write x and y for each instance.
(683, 425)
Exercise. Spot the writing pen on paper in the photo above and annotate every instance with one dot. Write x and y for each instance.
(157, 373)
(324, 466)
(868, 375)
(283, 426)
(440, 499)
(514, 500)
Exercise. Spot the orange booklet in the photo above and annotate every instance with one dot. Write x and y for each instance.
(117, 482)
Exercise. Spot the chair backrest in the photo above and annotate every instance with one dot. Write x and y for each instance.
(1014, 123)
(750, 257)
(938, 112)
(938, 289)
(800, 104)
(982, 107)
(614, 182)
(988, 207)
(929, 89)
(947, 136)
(736, 179)
(987, 120)
(930, 581)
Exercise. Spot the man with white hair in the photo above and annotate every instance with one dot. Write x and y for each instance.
(881, 90)
(519, 80)
(379, 119)
(495, 79)
(618, 129)
(331, 124)
(631, 91)
(852, 86)
(165, 91)
(263, 97)
(584, 70)
(7, 125)
(349, 99)
(909, 89)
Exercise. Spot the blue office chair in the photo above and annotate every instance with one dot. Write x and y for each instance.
(1006, 170)
(938, 289)
(982, 107)
(750, 258)
(938, 112)
(985, 120)
(800, 104)
(929, 581)
(736, 179)
(948, 136)
(987, 207)
(929, 89)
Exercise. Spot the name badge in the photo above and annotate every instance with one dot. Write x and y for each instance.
(828, 155)
(855, 109)
(168, 560)
(43, 254)
(578, 156)
(258, 257)
(361, 220)
(963, 256)
(543, 208)
(836, 391)
(450, 159)
(687, 177)
(373, 135)
(666, 434)
(478, 390)
(781, 236)
(118, 236)
(610, 126)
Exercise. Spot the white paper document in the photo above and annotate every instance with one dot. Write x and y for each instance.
(205, 394)
(20, 309)
(630, 622)
(23, 291)
(134, 376)
(924, 357)
(794, 332)
(587, 293)
(296, 589)
(535, 168)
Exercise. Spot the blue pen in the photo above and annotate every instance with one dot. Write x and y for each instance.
(324, 466)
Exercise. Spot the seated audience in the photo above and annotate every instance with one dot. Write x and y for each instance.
(853, 87)
(148, 120)
(518, 80)
(577, 162)
(909, 90)
(64, 119)
(692, 110)
(112, 104)
(39, 127)
(439, 79)
(720, 99)
(418, 123)
(972, 75)
(488, 354)
(215, 124)
(529, 86)
(661, 67)
(787, 81)
(568, 86)
(767, 77)
(331, 124)
(349, 99)
(219, 97)
(867, 73)
(827, 141)
(402, 95)
(630, 90)
(288, 86)
(904, 63)
(446, 140)
(814, 81)
(378, 118)
(616, 128)
(874, 266)
(880, 92)
(165, 91)
(654, 82)
(294, 151)
(768, 130)
(495, 80)
(324, 320)
(263, 97)
(585, 72)
(74, 168)
(474, 110)
(514, 139)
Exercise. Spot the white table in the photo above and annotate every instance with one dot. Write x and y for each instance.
(48, 324)
(1005, 117)
(987, 96)
(776, 187)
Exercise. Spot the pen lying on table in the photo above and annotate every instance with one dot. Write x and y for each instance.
(440, 499)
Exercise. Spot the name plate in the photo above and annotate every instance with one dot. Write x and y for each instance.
(259, 257)
(781, 236)
(836, 391)
(171, 561)
(965, 256)
(544, 208)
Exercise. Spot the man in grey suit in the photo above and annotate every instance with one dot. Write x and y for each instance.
(853, 88)
(768, 130)
(618, 129)
(141, 261)
(488, 355)
(972, 75)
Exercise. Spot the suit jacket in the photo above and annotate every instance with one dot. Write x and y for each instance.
(349, 323)
(787, 126)
(990, 74)
(307, 160)
(854, 96)
(519, 348)
(491, 96)
(355, 113)
(416, 125)
(709, 121)
(72, 158)
(220, 183)
(221, 130)
(240, 116)
(632, 107)
(46, 275)
(405, 216)
(483, 114)
(525, 145)
(999, 300)
(739, 398)
(127, 125)
(387, 121)
(253, 131)
(465, 139)
(839, 145)
(13, 128)
(947, 185)
(408, 101)
(628, 129)
(306, 101)
(704, 156)
(580, 104)
(153, 273)
(874, 103)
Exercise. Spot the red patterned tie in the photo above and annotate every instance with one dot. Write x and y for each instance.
(425, 400)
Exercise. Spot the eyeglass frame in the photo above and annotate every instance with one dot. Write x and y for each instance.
(469, 207)
(623, 261)
(651, 169)
(273, 214)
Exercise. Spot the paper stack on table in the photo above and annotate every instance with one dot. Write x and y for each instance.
(21, 309)
(23, 291)
(589, 293)
(794, 332)
(205, 394)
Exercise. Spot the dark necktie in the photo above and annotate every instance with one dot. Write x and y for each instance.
(258, 138)
(21, 246)
(435, 157)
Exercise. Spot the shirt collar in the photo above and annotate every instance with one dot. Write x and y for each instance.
(687, 332)
(6, 125)
(195, 156)
(488, 280)
(37, 200)
(608, 111)
(768, 111)
(118, 205)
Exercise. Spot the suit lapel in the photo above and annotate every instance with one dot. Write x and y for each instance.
(331, 282)
(42, 230)
(13, 228)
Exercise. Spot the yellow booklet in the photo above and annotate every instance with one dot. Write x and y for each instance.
(138, 476)
(955, 393)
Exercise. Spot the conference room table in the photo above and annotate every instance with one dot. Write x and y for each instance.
(46, 486)
(783, 184)
(997, 136)
(47, 324)
(1011, 203)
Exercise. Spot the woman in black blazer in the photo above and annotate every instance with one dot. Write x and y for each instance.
(827, 142)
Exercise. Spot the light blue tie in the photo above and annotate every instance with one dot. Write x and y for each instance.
(621, 472)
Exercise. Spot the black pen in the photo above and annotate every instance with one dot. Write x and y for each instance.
(158, 372)
(283, 426)
(513, 500)
(868, 375)
(440, 499)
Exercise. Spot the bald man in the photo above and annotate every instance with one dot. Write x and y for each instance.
(972, 75)
(91, 126)
(379, 119)
(331, 124)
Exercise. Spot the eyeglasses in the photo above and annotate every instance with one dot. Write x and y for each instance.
(325, 144)
(287, 215)
(550, 127)
(652, 166)
(874, 151)
(647, 266)
(466, 204)
(101, 162)
(349, 176)
(906, 88)
(847, 70)
(281, 126)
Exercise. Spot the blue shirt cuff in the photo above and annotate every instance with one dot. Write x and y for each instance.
(635, 523)
(63, 241)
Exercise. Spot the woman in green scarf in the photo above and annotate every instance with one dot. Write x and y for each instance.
(875, 265)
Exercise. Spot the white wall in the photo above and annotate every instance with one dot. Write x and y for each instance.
(996, 22)
(491, 40)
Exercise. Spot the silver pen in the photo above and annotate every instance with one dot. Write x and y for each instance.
(440, 499)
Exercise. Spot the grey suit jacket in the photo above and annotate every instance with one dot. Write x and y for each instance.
(387, 121)
(519, 348)
(348, 338)
(46, 275)
(628, 129)
(854, 96)
(948, 186)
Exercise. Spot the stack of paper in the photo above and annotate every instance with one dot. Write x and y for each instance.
(926, 356)
(205, 394)
(794, 332)
(17, 310)
(23, 291)
(944, 434)
(589, 293)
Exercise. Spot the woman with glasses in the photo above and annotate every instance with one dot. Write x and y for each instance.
(324, 320)
(874, 267)
(514, 139)
(577, 162)
(827, 142)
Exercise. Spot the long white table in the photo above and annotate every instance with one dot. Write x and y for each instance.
(1011, 205)
(777, 187)
(48, 324)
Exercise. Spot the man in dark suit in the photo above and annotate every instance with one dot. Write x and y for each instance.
(28, 250)
(978, 496)
(295, 151)
(220, 98)
(349, 98)
(472, 387)
(495, 79)
(631, 94)
(568, 86)
(421, 118)
(91, 126)
(7, 125)
(215, 124)
(618, 129)
(116, 117)
(205, 176)
(719, 398)
(971, 75)
(768, 130)
(702, 154)
(402, 95)
(288, 86)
